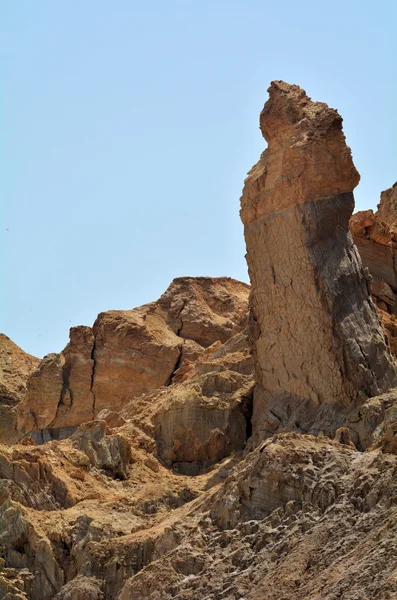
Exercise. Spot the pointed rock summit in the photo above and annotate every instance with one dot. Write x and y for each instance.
(318, 346)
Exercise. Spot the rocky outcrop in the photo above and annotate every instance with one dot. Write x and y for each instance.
(387, 208)
(318, 346)
(129, 353)
(15, 369)
(377, 245)
(203, 416)
(159, 490)
(205, 309)
(375, 235)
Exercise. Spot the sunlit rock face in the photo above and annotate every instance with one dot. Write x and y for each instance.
(128, 353)
(15, 368)
(318, 346)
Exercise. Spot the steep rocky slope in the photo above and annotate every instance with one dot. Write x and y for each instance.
(128, 353)
(15, 368)
(318, 345)
(375, 235)
(180, 476)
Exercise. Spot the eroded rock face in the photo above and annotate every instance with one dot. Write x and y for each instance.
(375, 235)
(204, 309)
(205, 415)
(377, 245)
(317, 342)
(157, 495)
(387, 208)
(15, 368)
(129, 353)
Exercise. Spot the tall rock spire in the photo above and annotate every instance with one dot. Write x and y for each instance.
(318, 346)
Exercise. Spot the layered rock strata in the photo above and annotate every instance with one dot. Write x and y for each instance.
(318, 345)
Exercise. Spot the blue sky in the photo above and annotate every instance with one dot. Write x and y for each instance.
(127, 129)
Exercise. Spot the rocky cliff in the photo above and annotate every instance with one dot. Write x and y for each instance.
(375, 235)
(189, 468)
(317, 342)
(15, 368)
(128, 353)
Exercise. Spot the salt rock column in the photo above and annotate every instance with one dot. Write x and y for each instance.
(318, 345)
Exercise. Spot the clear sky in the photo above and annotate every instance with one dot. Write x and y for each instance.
(127, 129)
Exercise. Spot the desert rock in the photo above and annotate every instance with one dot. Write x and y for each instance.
(375, 236)
(151, 478)
(15, 368)
(129, 353)
(317, 341)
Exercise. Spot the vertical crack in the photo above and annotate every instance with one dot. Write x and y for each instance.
(66, 392)
(93, 376)
(176, 366)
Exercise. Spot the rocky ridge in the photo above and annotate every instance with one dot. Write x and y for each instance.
(168, 483)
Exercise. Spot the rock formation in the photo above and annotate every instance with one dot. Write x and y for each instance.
(375, 235)
(128, 353)
(318, 346)
(151, 480)
(15, 368)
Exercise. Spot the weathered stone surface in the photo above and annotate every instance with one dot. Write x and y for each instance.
(200, 423)
(205, 309)
(377, 246)
(205, 415)
(318, 346)
(79, 588)
(15, 368)
(159, 492)
(129, 353)
(387, 208)
(108, 452)
(375, 236)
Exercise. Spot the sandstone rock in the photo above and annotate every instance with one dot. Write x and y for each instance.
(377, 247)
(113, 512)
(342, 435)
(15, 368)
(206, 309)
(387, 208)
(129, 353)
(204, 416)
(108, 452)
(317, 342)
(81, 587)
(113, 419)
(202, 423)
(375, 236)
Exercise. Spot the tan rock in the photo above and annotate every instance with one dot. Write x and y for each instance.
(206, 309)
(375, 236)
(129, 353)
(317, 342)
(376, 245)
(15, 369)
(342, 436)
(387, 208)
